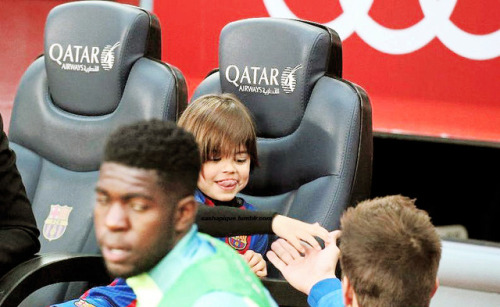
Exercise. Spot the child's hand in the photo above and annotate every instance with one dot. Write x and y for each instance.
(256, 263)
(295, 231)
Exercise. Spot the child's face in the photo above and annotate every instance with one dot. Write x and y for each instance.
(222, 177)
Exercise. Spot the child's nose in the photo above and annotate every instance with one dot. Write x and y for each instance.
(229, 166)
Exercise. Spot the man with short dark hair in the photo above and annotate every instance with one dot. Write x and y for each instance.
(389, 255)
(144, 221)
(18, 232)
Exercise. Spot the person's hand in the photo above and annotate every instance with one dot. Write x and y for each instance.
(295, 231)
(256, 263)
(303, 272)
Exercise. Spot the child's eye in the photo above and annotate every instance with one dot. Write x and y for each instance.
(214, 158)
(241, 157)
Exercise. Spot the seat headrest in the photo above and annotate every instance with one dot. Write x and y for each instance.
(273, 64)
(90, 47)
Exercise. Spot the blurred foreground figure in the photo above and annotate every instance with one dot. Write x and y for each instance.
(389, 255)
(18, 231)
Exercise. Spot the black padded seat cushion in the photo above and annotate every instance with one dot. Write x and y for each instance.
(64, 114)
(313, 127)
(273, 70)
(88, 60)
(100, 70)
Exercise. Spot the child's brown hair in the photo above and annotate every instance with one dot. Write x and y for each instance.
(220, 124)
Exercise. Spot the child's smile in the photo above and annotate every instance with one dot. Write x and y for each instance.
(227, 184)
(221, 178)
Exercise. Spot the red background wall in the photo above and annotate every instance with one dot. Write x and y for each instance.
(429, 92)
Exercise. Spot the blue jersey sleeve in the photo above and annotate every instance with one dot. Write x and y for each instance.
(259, 243)
(117, 294)
(327, 292)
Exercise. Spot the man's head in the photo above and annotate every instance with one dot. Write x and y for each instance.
(390, 253)
(144, 201)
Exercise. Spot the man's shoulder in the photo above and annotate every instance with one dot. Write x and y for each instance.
(218, 247)
(223, 275)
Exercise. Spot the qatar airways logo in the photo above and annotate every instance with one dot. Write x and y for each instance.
(263, 80)
(83, 58)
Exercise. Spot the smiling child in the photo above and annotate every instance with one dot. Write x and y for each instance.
(225, 133)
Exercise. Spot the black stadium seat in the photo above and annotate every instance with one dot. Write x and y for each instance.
(314, 128)
(100, 69)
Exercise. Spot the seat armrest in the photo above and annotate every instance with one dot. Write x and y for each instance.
(284, 294)
(472, 265)
(47, 269)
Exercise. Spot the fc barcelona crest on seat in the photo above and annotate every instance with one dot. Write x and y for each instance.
(57, 221)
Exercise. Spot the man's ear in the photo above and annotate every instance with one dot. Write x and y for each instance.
(436, 285)
(347, 292)
(185, 214)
